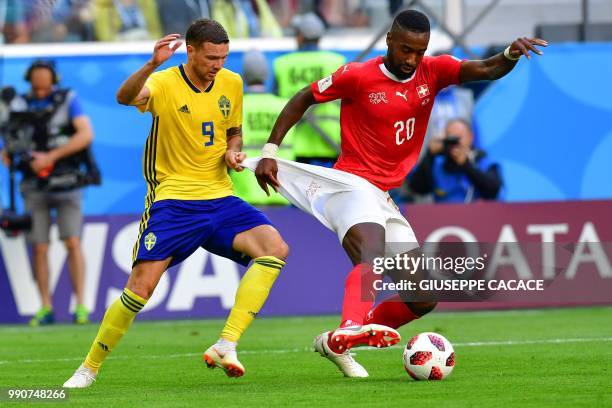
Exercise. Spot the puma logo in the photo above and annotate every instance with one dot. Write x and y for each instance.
(403, 95)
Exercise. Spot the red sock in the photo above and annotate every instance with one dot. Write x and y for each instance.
(359, 295)
(392, 312)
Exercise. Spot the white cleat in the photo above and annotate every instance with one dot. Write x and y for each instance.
(83, 377)
(373, 335)
(228, 362)
(345, 362)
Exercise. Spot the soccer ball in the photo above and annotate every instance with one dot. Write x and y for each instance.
(429, 356)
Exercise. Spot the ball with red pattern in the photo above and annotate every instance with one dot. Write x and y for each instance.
(429, 356)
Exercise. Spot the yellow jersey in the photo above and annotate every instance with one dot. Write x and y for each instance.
(184, 154)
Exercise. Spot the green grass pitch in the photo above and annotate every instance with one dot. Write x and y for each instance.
(535, 358)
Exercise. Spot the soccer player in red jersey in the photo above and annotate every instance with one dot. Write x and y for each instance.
(386, 104)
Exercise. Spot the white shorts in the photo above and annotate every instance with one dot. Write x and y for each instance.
(340, 200)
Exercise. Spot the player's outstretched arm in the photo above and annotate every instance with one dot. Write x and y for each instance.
(133, 91)
(499, 65)
(292, 112)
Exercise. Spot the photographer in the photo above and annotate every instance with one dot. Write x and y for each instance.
(453, 171)
(47, 141)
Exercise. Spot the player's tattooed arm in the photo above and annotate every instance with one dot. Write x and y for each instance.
(499, 65)
(292, 112)
(133, 91)
(233, 155)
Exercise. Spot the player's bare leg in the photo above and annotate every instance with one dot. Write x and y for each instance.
(268, 251)
(76, 262)
(45, 315)
(118, 318)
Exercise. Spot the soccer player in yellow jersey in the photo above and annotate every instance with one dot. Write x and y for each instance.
(195, 137)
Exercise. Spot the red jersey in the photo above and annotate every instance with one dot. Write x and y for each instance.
(384, 119)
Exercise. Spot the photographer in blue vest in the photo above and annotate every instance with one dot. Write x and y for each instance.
(48, 143)
(453, 171)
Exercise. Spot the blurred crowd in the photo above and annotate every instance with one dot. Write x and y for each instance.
(451, 168)
(36, 21)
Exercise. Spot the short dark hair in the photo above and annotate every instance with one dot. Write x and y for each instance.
(461, 120)
(206, 30)
(42, 63)
(411, 20)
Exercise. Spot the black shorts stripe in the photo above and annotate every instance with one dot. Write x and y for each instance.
(129, 301)
(150, 155)
(143, 224)
(150, 175)
(127, 305)
(154, 156)
(147, 155)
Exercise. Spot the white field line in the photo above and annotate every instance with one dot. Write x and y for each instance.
(196, 322)
(309, 349)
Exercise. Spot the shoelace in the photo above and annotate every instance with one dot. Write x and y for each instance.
(348, 356)
(85, 373)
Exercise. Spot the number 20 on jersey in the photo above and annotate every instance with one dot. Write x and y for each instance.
(403, 130)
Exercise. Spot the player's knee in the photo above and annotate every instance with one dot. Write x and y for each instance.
(364, 242)
(272, 245)
(278, 249)
(40, 249)
(141, 284)
(141, 288)
(72, 244)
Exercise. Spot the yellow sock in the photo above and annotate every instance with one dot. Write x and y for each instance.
(117, 320)
(251, 295)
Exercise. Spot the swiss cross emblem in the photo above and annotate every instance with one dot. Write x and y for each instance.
(423, 91)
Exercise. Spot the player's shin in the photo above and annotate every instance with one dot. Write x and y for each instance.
(359, 295)
(392, 312)
(117, 319)
(251, 295)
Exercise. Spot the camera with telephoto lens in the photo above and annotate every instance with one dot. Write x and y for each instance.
(18, 127)
(449, 142)
(74, 171)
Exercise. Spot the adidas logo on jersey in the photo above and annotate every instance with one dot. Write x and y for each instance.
(184, 109)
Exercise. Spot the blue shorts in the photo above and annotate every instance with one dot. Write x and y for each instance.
(177, 228)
